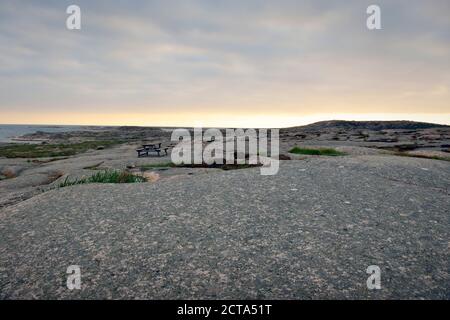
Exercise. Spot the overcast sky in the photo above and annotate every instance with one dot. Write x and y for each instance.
(223, 63)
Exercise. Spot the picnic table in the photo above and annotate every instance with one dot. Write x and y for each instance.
(152, 147)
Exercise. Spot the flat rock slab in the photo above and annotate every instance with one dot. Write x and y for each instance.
(309, 232)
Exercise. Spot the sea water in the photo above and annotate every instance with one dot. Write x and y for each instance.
(10, 131)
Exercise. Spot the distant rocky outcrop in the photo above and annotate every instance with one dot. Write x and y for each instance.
(368, 125)
(398, 136)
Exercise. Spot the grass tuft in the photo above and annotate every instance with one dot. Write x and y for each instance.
(317, 152)
(107, 176)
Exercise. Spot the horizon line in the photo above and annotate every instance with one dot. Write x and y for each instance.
(218, 127)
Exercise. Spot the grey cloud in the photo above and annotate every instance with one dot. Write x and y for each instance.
(165, 55)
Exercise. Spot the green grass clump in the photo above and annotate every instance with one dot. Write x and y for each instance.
(107, 176)
(317, 152)
(20, 150)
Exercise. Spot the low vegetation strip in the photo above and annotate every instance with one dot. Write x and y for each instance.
(107, 176)
(202, 165)
(317, 152)
(20, 150)
(423, 156)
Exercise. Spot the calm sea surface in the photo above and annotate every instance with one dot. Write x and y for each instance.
(7, 131)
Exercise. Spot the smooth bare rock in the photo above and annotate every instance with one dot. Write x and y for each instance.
(309, 232)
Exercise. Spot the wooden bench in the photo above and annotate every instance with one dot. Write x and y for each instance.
(141, 152)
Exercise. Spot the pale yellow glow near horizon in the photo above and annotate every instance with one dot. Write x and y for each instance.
(224, 120)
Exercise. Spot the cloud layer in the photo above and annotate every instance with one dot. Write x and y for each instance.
(175, 60)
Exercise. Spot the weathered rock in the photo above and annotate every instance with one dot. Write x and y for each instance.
(151, 176)
(11, 171)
